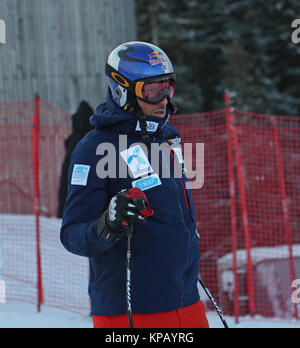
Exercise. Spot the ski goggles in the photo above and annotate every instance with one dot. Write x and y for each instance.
(153, 92)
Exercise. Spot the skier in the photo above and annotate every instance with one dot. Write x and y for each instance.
(100, 211)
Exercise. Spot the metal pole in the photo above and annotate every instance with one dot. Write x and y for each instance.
(241, 186)
(232, 206)
(36, 183)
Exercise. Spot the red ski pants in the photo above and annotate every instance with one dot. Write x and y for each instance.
(188, 317)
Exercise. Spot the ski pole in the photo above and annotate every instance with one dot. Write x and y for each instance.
(128, 279)
(210, 296)
(145, 210)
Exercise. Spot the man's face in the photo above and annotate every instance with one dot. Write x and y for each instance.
(158, 110)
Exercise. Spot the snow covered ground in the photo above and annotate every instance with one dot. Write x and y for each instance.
(26, 316)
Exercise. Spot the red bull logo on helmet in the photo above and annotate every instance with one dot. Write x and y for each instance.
(157, 57)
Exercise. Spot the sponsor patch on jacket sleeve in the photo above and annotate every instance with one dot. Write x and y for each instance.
(174, 139)
(80, 174)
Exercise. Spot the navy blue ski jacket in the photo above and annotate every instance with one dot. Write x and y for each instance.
(165, 253)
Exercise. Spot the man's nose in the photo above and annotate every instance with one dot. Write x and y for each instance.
(164, 101)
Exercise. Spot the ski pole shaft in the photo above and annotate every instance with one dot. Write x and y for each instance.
(210, 296)
(128, 278)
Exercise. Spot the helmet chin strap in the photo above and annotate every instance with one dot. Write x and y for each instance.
(143, 124)
(172, 107)
(134, 107)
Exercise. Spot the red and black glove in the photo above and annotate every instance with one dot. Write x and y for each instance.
(125, 209)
